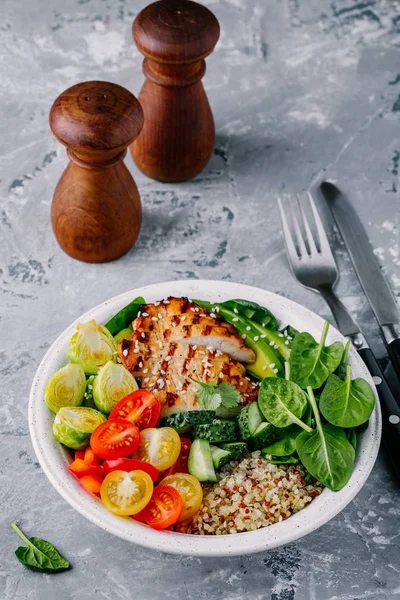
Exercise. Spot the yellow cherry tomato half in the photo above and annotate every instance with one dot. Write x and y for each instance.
(159, 447)
(126, 493)
(190, 490)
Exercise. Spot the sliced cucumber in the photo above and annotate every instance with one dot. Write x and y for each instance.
(264, 435)
(237, 449)
(200, 463)
(183, 421)
(249, 420)
(227, 413)
(219, 456)
(220, 430)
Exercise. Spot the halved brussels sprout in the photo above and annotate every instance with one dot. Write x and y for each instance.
(65, 388)
(125, 334)
(74, 426)
(92, 346)
(112, 383)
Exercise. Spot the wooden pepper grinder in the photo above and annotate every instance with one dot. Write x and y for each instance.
(178, 134)
(96, 211)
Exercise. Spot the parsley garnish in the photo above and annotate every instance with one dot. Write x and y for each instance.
(212, 395)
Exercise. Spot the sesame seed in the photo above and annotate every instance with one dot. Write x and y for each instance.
(213, 316)
(286, 343)
(168, 358)
(262, 336)
(154, 318)
(145, 370)
(256, 338)
(264, 367)
(248, 328)
(140, 365)
(145, 314)
(276, 371)
(272, 343)
(235, 319)
(143, 336)
(244, 336)
(235, 310)
(272, 365)
(280, 334)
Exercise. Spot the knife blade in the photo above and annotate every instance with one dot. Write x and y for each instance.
(373, 282)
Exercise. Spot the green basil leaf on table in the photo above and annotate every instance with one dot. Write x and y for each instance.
(326, 452)
(311, 363)
(125, 316)
(39, 554)
(282, 402)
(347, 403)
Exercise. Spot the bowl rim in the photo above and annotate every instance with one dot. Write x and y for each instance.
(53, 458)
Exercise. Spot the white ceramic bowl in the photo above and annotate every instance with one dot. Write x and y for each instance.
(54, 458)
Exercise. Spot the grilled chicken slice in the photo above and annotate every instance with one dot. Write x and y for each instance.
(193, 325)
(206, 332)
(168, 372)
(175, 341)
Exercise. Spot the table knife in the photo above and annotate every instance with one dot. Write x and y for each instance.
(372, 280)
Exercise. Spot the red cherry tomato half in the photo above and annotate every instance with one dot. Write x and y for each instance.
(115, 438)
(80, 454)
(181, 465)
(80, 468)
(130, 464)
(92, 483)
(90, 458)
(139, 407)
(164, 508)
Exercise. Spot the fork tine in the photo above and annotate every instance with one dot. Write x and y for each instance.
(300, 242)
(309, 235)
(323, 240)
(291, 248)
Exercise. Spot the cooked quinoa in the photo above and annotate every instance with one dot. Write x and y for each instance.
(251, 493)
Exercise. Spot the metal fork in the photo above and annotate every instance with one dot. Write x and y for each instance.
(314, 266)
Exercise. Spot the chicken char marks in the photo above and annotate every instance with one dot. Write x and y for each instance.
(168, 350)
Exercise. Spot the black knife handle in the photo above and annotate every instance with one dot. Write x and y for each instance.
(389, 406)
(393, 349)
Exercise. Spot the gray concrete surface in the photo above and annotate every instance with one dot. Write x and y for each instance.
(300, 90)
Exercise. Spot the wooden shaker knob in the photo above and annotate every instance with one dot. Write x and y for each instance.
(178, 134)
(96, 210)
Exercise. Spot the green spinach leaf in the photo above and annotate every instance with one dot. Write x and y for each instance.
(280, 460)
(125, 316)
(282, 402)
(352, 437)
(326, 452)
(312, 363)
(39, 555)
(341, 370)
(347, 403)
(285, 445)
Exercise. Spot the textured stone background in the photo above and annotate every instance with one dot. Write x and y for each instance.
(300, 90)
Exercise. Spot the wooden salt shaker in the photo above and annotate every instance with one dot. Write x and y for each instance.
(178, 133)
(96, 210)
